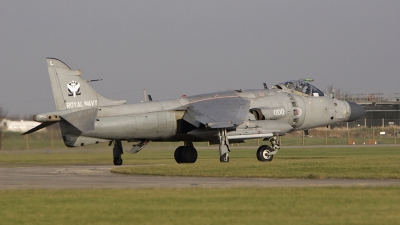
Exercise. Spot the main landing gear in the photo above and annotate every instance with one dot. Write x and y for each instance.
(186, 153)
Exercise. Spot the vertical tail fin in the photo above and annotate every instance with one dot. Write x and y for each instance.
(70, 90)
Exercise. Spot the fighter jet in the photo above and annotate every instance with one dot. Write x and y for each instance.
(221, 118)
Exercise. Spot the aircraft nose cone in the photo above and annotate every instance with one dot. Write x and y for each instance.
(356, 111)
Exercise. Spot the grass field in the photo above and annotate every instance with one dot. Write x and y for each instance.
(318, 205)
(202, 206)
(312, 163)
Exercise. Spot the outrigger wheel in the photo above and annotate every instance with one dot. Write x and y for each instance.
(118, 161)
(117, 152)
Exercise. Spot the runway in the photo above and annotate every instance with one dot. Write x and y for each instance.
(88, 177)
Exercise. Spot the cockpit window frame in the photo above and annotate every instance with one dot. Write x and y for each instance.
(316, 92)
(301, 87)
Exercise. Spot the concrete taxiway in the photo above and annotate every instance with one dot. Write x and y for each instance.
(81, 177)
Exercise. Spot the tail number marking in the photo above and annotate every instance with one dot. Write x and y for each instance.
(279, 112)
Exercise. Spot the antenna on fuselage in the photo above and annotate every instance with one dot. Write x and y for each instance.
(148, 96)
(307, 79)
(93, 80)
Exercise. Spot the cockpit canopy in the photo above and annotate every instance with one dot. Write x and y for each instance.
(301, 87)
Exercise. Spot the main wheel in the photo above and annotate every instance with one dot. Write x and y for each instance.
(262, 153)
(118, 161)
(178, 153)
(188, 154)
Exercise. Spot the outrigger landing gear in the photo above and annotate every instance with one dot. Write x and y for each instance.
(117, 152)
(266, 153)
(223, 146)
(186, 153)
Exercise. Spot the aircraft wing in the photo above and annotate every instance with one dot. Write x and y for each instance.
(219, 112)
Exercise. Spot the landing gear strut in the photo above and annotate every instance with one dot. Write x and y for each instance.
(186, 153)
(266, 153)
(223, 146)
(117, 152)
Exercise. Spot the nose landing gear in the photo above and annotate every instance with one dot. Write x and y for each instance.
(266, 153)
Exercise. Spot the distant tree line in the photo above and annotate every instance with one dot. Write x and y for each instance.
(3, 115)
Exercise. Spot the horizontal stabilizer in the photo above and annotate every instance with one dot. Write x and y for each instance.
(83, 120)
(75, 141)
(43, 125)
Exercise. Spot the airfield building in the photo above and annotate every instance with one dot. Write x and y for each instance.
(382, 109)
(17, 126)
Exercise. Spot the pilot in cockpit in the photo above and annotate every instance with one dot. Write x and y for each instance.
(299, 87)
(290, 85)
(302, 87)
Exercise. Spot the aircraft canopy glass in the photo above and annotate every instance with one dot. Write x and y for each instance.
(301, 86)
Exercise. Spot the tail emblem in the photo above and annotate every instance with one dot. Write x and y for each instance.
(74, 88)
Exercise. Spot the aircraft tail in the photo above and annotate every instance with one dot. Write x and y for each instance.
(71, 91)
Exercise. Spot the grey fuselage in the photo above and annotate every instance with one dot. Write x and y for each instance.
(163, 120)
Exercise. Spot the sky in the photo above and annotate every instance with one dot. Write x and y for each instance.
(172, 48)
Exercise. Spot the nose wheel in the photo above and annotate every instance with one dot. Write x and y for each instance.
(263, 153)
